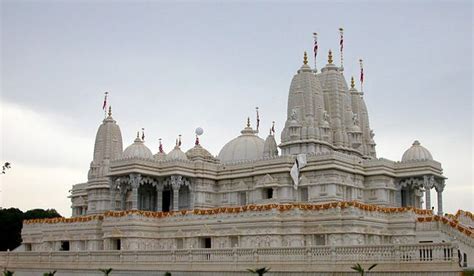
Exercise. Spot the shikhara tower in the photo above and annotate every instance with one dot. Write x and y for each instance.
(325, 115)
(347, 200)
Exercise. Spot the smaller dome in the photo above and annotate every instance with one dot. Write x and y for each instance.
(270, 148)
(160, 156)
(198, 152)
(137, 150)
(416, 153)
(176, 154)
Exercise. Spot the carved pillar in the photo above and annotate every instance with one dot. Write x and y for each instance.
(175, 199)
(159, 198)
(113, 190)
(135, 183)
(176, 182)
(428, 184)
(440, 202)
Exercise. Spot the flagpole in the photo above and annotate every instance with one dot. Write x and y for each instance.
(361, 75)
(341, 44)
(258, 118)
(315, 51)
(104, 106)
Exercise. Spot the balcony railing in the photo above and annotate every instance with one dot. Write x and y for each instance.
(432, 253)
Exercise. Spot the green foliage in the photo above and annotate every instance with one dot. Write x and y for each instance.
(361, 270)
(259, 271)
(106, 271)
(8, 272)
(468, 272)
(6, 166)
(11, 222)
(51, 273)
(167, 273)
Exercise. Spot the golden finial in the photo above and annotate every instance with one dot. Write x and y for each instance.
(248, 121)
(352, 82)
(305, 58)
(330, 57)
(110, 110)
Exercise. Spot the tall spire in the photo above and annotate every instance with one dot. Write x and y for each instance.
(248, 121)
(110, 111)
(305, 58)
(330, 57)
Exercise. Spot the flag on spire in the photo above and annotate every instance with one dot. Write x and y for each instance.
(272, 130)
(361, 74)
(105, 100)
(143, 134)
(315, 48)
(197, 141)
(341, 45)
(160, 148)
(258, 119)
(179, 141)
(341, 41)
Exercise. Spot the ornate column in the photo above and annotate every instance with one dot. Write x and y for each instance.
(176, 182)
(113, 190)
(439, 189)
(428, 184)
(159, 198)
(135, 183)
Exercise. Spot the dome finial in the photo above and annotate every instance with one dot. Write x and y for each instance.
(248, 121)
(330, 57)
(305, 58)
(110, 111)
(352, 82)
(138, 134)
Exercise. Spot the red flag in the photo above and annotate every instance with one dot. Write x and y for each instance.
(341, 42)
(258, 119)
(161, 147)
(105, 101)
(315, 49)
(361, 71)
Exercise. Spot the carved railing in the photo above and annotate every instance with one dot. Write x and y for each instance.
(434, 253)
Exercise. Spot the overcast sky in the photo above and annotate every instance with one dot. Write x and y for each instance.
(171, 67)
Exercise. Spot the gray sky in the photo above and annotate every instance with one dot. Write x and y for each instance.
(171, 67)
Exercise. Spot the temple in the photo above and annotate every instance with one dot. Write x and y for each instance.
(188, 211)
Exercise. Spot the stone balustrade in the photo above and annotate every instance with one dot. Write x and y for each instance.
(280, 258)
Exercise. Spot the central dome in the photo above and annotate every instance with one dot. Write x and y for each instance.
(247, 146)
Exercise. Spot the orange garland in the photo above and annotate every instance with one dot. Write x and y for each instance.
(238, 209)
(453, 223)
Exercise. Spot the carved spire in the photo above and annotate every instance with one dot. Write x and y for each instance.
(305, 58)
(330, 57)
(352, 82)
(110, 111)
(248, 121)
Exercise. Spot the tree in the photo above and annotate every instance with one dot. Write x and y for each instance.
(51, 273)
(358, 268)
(11, 221)
(106, 271)
(259, 271)
(6, 166)
(8, 272)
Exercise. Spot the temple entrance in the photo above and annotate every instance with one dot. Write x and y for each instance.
(166, 201)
